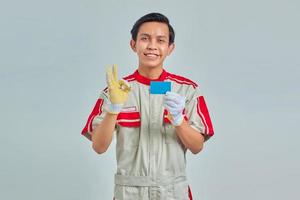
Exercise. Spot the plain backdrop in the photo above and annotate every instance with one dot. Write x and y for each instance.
(243, 54)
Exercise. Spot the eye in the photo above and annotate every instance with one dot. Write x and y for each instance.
(144, 38)
(161, 41)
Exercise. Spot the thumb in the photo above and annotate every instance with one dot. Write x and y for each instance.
(124, 85)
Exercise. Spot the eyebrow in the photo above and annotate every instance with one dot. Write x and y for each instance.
(148, 35)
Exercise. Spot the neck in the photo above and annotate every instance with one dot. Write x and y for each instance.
(150, 72)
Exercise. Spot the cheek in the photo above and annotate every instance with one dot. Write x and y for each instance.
(140, 52)
(140, 48)
(165, 51)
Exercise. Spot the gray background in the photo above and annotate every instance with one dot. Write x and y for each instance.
(243, 54)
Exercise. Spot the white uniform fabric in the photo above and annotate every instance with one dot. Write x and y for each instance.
(151, 160)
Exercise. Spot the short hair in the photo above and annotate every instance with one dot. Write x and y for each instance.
(153, 17)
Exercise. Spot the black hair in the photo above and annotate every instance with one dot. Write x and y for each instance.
(153, 17)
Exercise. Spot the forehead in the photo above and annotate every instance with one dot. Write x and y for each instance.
(154, 29)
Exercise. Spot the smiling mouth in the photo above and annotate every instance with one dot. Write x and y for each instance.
(151, 55)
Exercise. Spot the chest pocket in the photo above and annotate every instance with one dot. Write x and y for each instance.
(128, 134)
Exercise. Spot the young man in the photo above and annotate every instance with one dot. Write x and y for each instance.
(153, 130)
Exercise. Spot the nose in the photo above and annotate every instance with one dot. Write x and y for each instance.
(152, 45)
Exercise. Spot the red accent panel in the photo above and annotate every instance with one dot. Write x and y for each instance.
(96, 111)
(165, 112)
(146, 80)
(128, 115)
(129, 78)
(203, 109)
(166, 119)
(131, 117)
(190, 193)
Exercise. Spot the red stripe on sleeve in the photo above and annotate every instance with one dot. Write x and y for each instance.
(204, 114)
(96, 111)
(190, 193)
(201, 117)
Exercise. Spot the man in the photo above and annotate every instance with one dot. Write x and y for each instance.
(153, 130)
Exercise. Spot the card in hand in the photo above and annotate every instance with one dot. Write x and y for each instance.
(160, 87)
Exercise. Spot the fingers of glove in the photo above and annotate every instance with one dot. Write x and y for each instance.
(172, 95)
(108, 79)
(115, 72)
(175, 98)
(111, 82)
(172, 101)
(168, 107)
(175, 102)
(124, 85)
(173, 111)
(169, 93)
(171, 104)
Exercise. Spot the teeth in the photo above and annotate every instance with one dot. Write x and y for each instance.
(151, 55)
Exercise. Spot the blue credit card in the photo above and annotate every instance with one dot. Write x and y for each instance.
(160, 87)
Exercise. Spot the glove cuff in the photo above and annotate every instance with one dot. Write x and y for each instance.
(114, 108)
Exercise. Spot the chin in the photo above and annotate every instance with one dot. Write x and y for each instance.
(152, 65)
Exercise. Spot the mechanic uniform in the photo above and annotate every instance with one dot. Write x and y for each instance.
(151, 160)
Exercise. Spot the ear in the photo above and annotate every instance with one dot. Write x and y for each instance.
(133, 45)
(171, 48)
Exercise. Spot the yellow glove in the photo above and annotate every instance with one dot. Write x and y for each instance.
(118, 90)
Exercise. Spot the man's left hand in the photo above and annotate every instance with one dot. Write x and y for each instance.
(175, 104)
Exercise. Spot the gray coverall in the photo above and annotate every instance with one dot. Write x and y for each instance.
(151, 160)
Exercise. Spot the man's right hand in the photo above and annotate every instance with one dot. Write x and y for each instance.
(118, 90)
